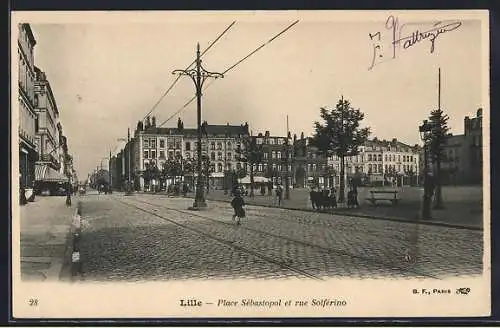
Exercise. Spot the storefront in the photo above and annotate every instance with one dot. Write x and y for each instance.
(27, 160)
(49, 181)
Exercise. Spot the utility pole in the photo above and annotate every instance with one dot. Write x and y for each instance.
(110, 172)
(287, 161)
(225, 161)
(199, 76)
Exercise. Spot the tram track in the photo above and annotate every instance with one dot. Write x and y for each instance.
(324, 249)
(220, 240)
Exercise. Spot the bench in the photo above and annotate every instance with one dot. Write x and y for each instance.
(386, 195)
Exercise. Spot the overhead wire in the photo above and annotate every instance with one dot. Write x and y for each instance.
(178, 77)
(229, 69)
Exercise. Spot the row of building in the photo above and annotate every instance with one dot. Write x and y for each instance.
(379, 161)
(44, 159)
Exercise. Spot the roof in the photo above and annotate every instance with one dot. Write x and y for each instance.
(455, 140)
(232, 130)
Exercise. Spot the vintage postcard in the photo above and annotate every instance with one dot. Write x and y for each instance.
(250, 164)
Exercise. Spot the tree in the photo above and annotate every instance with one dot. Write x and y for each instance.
(250, 153)
(435, 141)
(340, 134)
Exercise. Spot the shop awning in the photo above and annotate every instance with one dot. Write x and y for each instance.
(45, 173)
(256, 179)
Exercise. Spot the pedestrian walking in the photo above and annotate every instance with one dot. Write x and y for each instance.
(237, 203)
(279, 194)
(312, 196)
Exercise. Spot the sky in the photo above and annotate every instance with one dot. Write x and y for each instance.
(107, 74)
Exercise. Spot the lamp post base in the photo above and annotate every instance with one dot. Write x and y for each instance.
(426, 209)
(198, 205)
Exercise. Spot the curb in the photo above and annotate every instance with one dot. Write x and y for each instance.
(76, 233)
(367, 216)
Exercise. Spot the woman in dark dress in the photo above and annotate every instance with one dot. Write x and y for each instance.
(237, 203)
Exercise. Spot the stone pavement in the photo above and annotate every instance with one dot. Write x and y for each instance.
(45, 228)
(463, 205)
(138, 238)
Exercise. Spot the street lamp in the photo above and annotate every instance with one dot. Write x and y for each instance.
(425, 130)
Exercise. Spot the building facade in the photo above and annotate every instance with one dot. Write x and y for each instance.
(463, 160)
(274, 161)
(382, 162)
(158, 146)
(49, 131)
(27, 116)
(309, 166)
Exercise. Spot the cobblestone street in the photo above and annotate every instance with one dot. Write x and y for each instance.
(144, 237)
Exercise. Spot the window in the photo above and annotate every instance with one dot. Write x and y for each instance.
(212, 145)
(386, 168)
(178, 144)
(219, 167)
(212, 156)
(272, 141)
(380, 157)
(278, 154)
(145, 144)
(229, 145)
(153, 143)
(238, 166)
(170, 144)
(279, 167)
(219, 156)
(188, 146)
(380, 168)
(229, 167)
(266, 155)
(399, 158)
(162, 154)
(36, 125)
(219, 145)
(259, 168)
(36, 100)
(153, 153)
(178, 154)
(370, 168)
(370, 158)
(146, 154)
(229, 157)
(162, 143)
(273, 154)
(170, 154)
(314, 167)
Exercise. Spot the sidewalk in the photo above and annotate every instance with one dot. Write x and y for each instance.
(459, 213)
(45, 227)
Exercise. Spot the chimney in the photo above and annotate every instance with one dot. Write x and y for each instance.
(302, 136)
(479, 112)
(153, 122)
(467, 125)
(267, 134)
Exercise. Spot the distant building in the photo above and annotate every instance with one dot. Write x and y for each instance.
(157, 145)
(464, 154)
(274, 160)
(382, 161)
(309, 167)
(26, 85)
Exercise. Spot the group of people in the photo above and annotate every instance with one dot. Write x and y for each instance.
(327, 198)
(323, 198)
